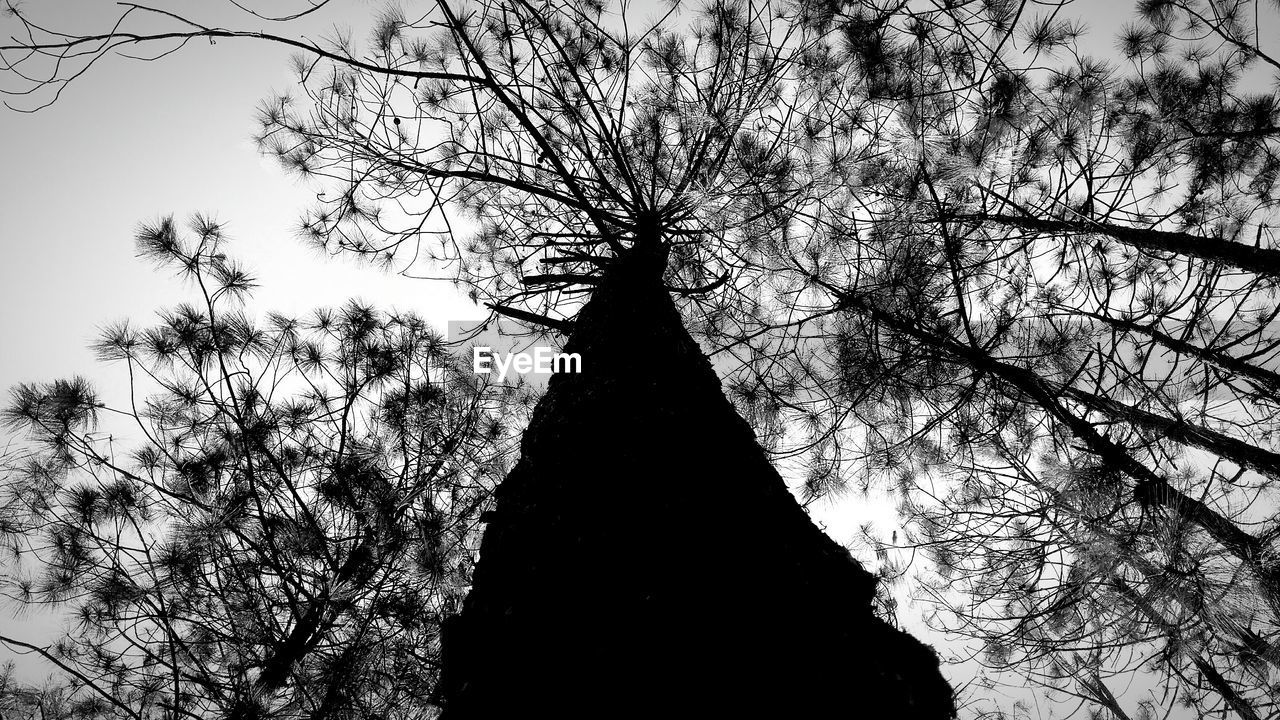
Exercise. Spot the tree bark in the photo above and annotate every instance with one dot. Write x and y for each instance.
(644, 559)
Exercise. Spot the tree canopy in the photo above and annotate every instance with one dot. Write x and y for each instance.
(298, 518)
(938, 250)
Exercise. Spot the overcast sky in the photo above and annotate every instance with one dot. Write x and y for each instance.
(130, 142)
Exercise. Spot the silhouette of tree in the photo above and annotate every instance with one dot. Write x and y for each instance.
(526, 150)
(300, 511)
(937, 246)
(1049, 325)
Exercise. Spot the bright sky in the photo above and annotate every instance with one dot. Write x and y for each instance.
(133, 141)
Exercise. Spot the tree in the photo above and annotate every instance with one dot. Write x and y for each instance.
(577, 144)
(499, 140)
(934, 244)
(299, 514)
(1057, 343)
(643, 555)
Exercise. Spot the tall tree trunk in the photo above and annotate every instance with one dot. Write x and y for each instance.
(644, 559)
(1263, 261)
(1206, 667)
(1238, 451)
(1098, 691)
(1151, 488)
(1265, 380)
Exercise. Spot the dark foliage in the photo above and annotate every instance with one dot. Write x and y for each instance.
(296, 517)
(937, 249)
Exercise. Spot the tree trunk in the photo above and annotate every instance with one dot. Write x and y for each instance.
(1206, 667)
(1243, 454)
(1151, 488)
(1263, 261)
(1264, 380)
(644, 559)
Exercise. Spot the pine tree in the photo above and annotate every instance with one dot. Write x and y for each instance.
(584, 150)
(935, 248)
(298, 515)
(644, 557)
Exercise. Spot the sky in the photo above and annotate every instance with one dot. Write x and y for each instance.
(132, 141)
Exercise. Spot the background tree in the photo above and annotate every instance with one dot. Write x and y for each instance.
(1055, 342)
(299, 514)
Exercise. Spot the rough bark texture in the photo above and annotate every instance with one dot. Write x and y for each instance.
(644, 559)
